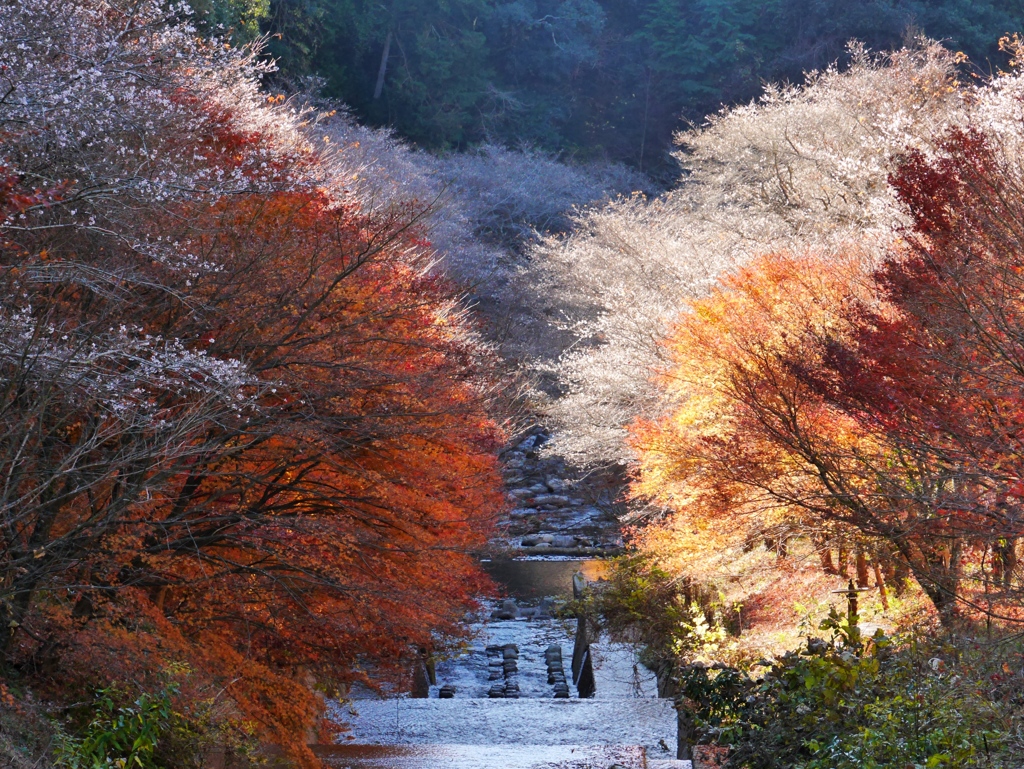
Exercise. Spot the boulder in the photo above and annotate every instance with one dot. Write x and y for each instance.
(544, 612)
(507, 610)
(556, 500)
(528, 444)
(556, 485)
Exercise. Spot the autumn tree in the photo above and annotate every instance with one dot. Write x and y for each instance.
(246, 424)
(937, 367)
(882, 398)
(801, 167)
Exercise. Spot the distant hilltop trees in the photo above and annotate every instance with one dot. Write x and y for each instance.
(608, 78)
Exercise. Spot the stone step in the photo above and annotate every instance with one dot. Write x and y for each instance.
(481, 756)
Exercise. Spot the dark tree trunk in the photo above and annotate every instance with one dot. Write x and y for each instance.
(937, 570)
(1005, 553)
(379, 88)
(863, 580)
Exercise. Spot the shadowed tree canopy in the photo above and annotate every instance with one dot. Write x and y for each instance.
(608, 78)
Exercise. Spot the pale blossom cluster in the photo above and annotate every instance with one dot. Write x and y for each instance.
(483, 210)
(104, 98)
(127, 112)
(116, 369)
(801, 167)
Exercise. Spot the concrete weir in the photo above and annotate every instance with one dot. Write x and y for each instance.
(544, 724)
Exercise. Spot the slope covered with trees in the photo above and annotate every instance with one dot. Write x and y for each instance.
(857, 403)
(604, 77)
(807, 356)
(246, 439)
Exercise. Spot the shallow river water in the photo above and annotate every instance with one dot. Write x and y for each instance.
(533, 579)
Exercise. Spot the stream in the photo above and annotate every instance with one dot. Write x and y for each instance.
(624, 724)
(508, 699)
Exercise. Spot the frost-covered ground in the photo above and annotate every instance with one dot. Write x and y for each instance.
(403, 721)
(619, 674)
(470, 730)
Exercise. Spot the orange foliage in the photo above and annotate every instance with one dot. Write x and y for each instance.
(322, 528)
(812, 396)
(727, 456)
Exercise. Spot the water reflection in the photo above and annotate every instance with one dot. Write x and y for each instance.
(535, 579)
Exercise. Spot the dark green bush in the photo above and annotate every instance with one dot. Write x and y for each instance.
(890, 702)
(146, 730)
(126, 735)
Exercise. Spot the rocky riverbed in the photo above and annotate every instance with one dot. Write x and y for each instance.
(554, 513)
(508, 698)
(502, 703)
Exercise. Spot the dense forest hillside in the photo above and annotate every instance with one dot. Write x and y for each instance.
(606, 78)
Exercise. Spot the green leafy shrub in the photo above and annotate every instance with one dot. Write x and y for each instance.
(670, 616)
(844, 704)
(123, 736)
(146, 731)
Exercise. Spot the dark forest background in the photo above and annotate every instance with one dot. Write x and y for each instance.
(606, 79)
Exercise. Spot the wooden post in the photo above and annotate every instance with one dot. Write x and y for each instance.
(420, 682)
(585, 685)
(582, 643)
(881, 586)
(851, 607)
